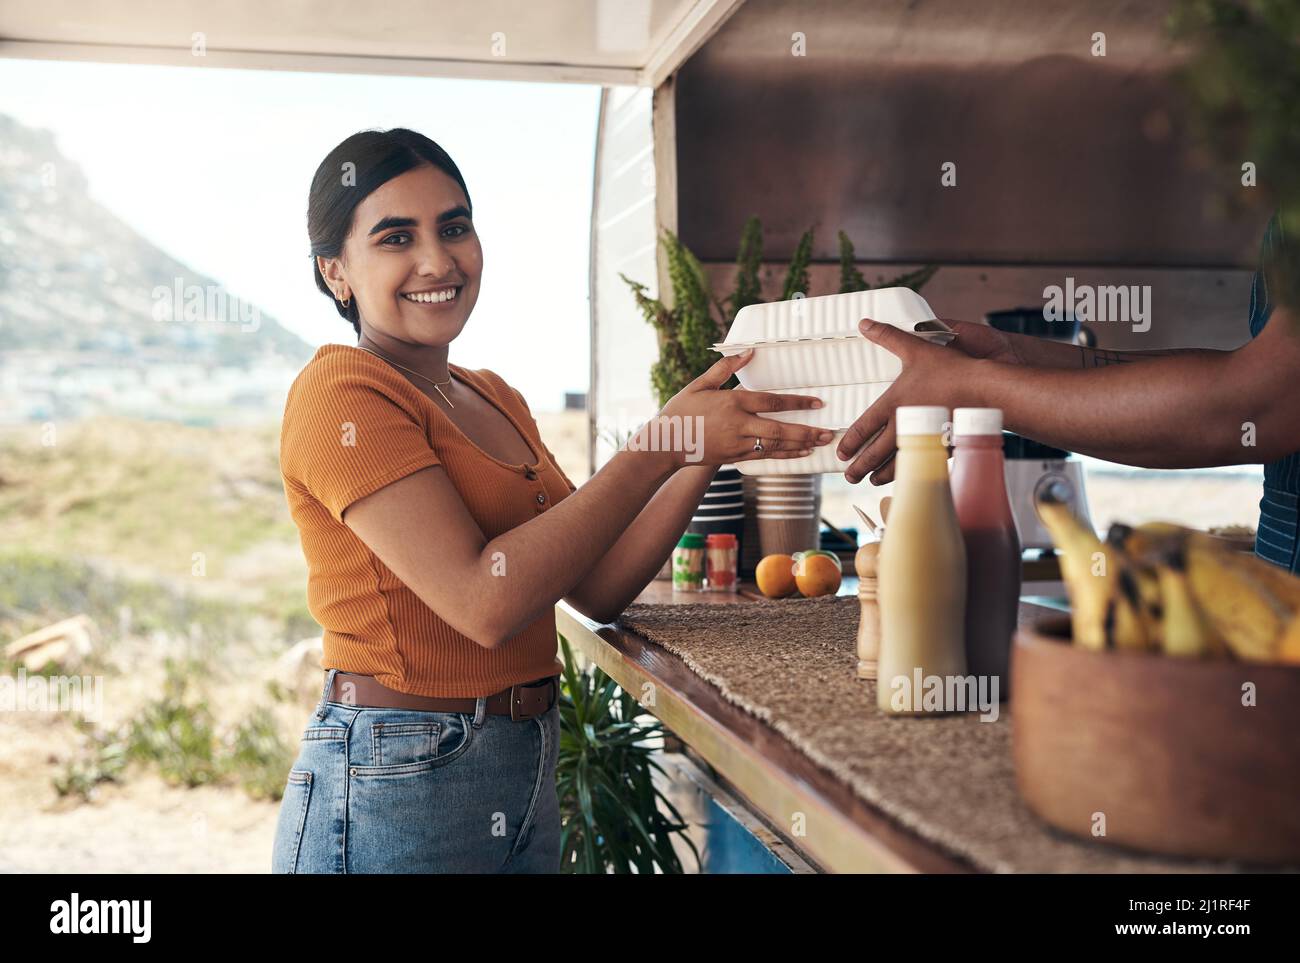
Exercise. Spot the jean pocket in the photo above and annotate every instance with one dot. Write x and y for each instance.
(290, 823)
(409, 741)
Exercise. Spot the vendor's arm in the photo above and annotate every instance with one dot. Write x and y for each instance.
(1188, 410)
(1008, 347)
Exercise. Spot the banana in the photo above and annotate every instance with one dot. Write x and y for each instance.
(1147, 539)
(1284, 586)
(1288, 651)
(1137, 624)
(1241, 606)
(1149, 608)
(1091, 573)
(1160, 549)
(1165, 587)
(1248, 602)
(1184, 631)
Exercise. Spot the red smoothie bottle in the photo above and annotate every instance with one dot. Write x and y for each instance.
(988, 528)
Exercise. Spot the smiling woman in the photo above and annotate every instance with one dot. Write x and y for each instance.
(439, 534)
(359, 182)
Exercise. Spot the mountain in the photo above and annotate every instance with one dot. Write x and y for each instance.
(80, 289)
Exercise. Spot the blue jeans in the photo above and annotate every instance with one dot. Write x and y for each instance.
(378, 790)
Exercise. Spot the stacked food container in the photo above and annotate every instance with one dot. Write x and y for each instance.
(812, 346)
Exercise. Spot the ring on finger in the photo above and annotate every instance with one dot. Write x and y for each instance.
(758, 444)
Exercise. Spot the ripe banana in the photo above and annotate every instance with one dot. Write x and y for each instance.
(1165, 587)
(1146, 541)
(1149, 603)
(1289, 650)
(1184, 631)
(1241, 607)
(1091, 573)
(1247, 601)
(1284, 586)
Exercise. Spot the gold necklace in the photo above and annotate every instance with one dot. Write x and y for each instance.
(436, 384)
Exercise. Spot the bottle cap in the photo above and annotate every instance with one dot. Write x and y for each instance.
(691, 540)
(920, 419)
(721, 540)
(977, 421)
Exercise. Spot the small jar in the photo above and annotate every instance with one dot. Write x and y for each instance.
(688, 563)
(722, 560)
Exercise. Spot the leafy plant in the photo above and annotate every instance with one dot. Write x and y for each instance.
(851, 279)
(176, 734)
(612, 814)
(696, 320)
(796, 277)
(103, 760)
(687, 330)
(749, 262)
(257, 755)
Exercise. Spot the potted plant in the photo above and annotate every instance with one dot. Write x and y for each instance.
(613, 817)
(687, 329)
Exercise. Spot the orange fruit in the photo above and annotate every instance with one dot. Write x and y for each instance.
(817, 574)
(775, 576)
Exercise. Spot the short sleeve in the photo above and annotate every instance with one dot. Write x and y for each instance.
(348, 432)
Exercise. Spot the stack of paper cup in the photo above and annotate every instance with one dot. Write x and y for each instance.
(789, 513)
(722, 509)
(750, 548)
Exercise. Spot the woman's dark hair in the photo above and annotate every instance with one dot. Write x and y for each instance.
(347, 176)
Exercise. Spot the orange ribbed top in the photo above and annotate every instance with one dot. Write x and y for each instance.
(353, 424)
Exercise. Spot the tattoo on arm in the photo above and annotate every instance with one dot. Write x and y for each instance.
(1099, 358)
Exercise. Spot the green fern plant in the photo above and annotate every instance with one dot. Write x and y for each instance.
(696, 320)
(797, 280)
(749, 262)
(851, 279)
(613, 817)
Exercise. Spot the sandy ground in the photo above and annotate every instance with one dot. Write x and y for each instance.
(142, 824)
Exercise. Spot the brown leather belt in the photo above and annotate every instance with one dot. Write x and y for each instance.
(522, 701)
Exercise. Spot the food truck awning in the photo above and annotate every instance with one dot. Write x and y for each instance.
(610, 42)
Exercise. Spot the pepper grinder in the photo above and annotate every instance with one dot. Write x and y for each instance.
(869, 610)
(865, 563)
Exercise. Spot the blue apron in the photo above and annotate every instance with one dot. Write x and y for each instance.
(1279, 509)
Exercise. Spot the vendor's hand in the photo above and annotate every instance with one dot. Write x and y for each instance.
(932, 375)
(725, 424)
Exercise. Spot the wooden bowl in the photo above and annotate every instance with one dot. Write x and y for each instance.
(1163, 747)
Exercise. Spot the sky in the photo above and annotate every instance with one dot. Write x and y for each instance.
(213, 166)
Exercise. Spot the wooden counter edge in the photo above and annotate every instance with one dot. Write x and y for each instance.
(859, 839)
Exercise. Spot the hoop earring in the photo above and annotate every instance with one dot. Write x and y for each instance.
(345, 302)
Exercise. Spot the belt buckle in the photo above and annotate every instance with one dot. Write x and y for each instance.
(514, 702)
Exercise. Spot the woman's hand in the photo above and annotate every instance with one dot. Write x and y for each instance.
(932, 375)
(703, 425)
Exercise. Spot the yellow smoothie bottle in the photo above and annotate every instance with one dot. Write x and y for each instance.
(922, 572)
